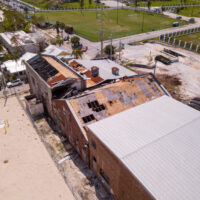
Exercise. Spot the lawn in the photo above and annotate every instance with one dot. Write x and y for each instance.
(43, 4)
(194, 38)
(160, 3)
(130, 22)
(190, 12)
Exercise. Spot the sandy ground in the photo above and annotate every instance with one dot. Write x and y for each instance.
(187, 69)
(29, 172)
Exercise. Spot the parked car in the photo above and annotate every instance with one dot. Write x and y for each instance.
(175, 24)
(14, 83)
(66, 38)
(45, 25)
(178, 17)
(84, 49)
(80, 46)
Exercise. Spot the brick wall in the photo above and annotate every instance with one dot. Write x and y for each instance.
(39, 88)
(114, 175)
(69, 126)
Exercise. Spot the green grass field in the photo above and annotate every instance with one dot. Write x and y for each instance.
(160, 3)
(194, 38)
(191, 12)
(130, 22)
(43, 4)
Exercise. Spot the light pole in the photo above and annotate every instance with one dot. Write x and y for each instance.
(111, 46)
(120, 46)
(117, 11)
(101, 35)
(143, 18)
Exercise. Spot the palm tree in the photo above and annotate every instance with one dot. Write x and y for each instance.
(149, 4)
(81, 4)
(90, 2)
(57, 26)
(62, 27)
(15, 40)
(77, 53)
(59, 41)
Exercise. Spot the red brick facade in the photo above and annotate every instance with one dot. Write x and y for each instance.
(115, 176)
(68, 124)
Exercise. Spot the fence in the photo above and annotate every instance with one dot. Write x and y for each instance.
(171, 38)
(170, 6)
(72, 9)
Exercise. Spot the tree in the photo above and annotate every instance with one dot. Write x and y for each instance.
(77, 53)
(81, 4)
(26, 10)
(37, 19)
(14, 21)
(57, 26)
(75, 41)
(59, 41)
(90, 2)
(15, 40)
(49, 4)
(107, 50)
(62, 27)
(136, 3)
(149, 4)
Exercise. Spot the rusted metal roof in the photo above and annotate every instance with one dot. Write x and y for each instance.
(110, 99)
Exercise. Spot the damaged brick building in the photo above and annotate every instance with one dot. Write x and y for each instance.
(102, 110)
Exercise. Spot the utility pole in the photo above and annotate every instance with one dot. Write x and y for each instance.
(143, 22)
(111, 46)
(96, 10)
(117, 11)
(192, 10)
(120, 46)
(143, 19)
(101, 34)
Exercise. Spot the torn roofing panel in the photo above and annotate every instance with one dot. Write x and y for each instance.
(62, 69)
(92, 80)
(50, 70)
(113, 98)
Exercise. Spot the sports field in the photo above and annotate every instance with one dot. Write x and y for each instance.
(160, 3)
(191, 12)
(194, 38)
(130, 22)
(43, 4)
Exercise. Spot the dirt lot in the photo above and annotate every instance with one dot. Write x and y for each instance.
(79, 177)
(26, 169)
(186, 70)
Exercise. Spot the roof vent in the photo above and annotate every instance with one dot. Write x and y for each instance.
(95, 71)
(115, 71)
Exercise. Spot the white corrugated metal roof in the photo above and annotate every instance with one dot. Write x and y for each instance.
(18, 66)
(55, 51)
(105, 68)
(7, 36)
(159, 142)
